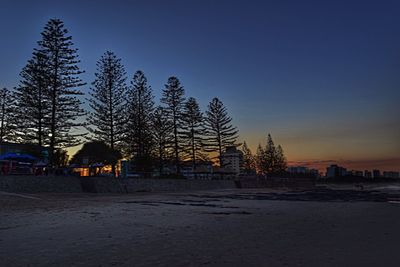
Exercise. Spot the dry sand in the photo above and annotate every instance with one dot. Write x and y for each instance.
(214, 228)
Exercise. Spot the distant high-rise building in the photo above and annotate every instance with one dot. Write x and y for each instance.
(356, 173)
(297, 169)
(335, 171)
(303, 170)
(367, 174)
(391, 174)
(232, 159)
(359, 173)
(376, 173)
(314, 172)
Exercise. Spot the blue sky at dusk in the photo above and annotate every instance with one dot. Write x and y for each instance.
(323, 77)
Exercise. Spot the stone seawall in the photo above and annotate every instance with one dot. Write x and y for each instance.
(71, 184)
(40, 184)
(173, 185)
(301, 183)
(101, 185)
(132, 185)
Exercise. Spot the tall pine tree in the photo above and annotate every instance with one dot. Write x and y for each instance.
(174, 100)
(108, 102)
(162, 136)
(249, 165)
(33, 102)
(281, 163)
(271, 159)
(192, 131)
(63, 83)
(139, 139)
(261, 164)
(220, 133)
(270, 155)
(7, 115)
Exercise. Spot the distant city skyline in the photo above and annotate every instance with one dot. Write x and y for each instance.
(322, 78)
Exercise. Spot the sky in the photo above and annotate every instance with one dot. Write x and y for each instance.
(323, 77)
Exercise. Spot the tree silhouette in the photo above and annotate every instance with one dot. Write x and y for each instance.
(270, 155)
(249, 164)
(96, 152)
(220, 133)
(261, 162)
(61, 157)
(108, 102)
(280, 160)
(33, 102)
(271, 159)
(139, 139)
(7, 115)
(173, 98)
(192, 131)
(162, 136)
(63, 79)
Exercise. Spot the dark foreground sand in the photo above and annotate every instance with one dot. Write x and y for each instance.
(219, 228)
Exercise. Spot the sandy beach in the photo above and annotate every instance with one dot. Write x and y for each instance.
(323, 227)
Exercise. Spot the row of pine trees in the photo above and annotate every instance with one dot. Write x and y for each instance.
(126, 118)
(46, 109)
(269, 159)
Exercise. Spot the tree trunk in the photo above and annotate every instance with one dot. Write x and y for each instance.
(193, 154)
(112, 124)
(178, 169)
(53, 113)
(3, 116)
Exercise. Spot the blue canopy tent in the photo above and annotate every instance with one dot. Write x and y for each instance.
(19, 157)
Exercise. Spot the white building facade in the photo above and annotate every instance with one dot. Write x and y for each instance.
(232, 160)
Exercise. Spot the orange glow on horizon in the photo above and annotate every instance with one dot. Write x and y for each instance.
(353, 153)
(319, 156)
(361, 165)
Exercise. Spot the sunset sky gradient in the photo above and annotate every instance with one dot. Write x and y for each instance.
(323, 77)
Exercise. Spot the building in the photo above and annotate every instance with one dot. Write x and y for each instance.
(335, 171)
(367, 174)
(355, 173)
(302, 171)
(391, 174)
(297, 169)
(204, 170)
(376, 174)
(96, 169)
(232, 160)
